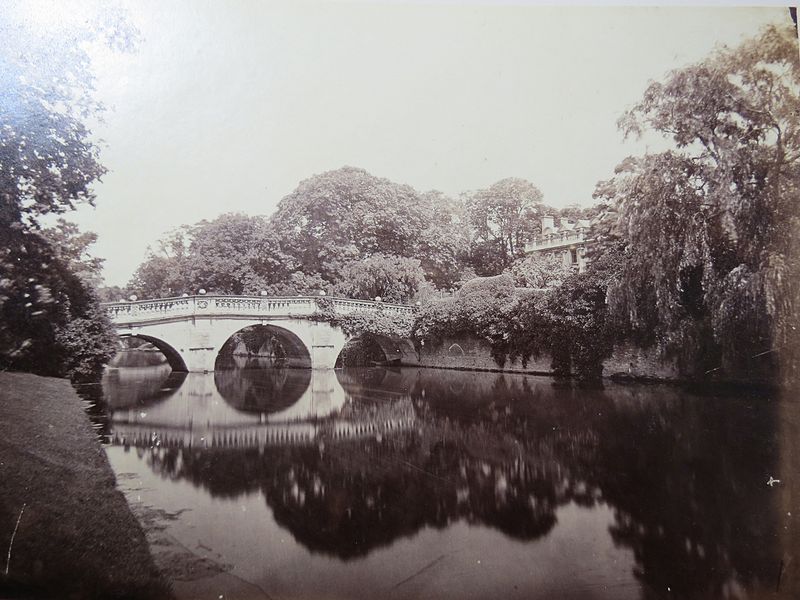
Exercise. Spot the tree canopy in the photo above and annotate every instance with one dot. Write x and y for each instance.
(50, 321)
(711, 226)
(391, 278)
(340, 216)
(328, 234)
(504, 216)
(539, 271)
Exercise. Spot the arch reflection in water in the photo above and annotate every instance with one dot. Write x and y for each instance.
(130, 387)
(256, 386)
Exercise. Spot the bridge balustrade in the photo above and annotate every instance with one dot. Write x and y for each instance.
(207, 305)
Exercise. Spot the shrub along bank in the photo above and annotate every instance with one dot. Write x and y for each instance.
(567, 322)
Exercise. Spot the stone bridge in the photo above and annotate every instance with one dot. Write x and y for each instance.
(191, 330)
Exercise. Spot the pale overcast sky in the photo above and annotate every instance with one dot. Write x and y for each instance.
(228, 105)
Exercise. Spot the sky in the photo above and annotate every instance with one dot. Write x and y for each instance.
(227, 105)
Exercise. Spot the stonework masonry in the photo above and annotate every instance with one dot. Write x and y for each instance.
(471, 353)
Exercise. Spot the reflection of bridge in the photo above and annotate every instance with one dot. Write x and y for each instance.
(192, 330)
(190, 411)
(253, 436)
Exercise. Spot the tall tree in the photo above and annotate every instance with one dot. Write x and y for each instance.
(236, 254)
(48, 155)
(504, 216)
(392, 278)
(341, 216)
(333, 218)
(233, 254)
(443, 243)
(50, 320)
(163, 272)
(72, 246)
(712, 226)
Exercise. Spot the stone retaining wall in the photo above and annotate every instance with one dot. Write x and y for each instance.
(470, 353)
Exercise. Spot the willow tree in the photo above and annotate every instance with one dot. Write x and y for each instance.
(712, 225)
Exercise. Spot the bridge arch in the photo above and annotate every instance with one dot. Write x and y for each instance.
(174, 357)
(315, 344)
(367, 349)
(263, 345)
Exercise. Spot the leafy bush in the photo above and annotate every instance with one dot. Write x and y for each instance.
(50, 318)
(569, 321)
(88, 343)
(482, 307)
(364, 321)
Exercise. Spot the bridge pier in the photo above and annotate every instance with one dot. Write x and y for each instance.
(201, 360)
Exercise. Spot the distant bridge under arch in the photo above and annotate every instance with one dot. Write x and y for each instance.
(191, 330)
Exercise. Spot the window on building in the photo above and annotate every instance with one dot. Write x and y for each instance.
(573, 255)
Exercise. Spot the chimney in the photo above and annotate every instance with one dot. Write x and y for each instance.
(547, 223)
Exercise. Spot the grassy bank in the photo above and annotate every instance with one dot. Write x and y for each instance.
(76, 537)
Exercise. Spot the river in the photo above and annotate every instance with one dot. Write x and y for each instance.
(425, 483)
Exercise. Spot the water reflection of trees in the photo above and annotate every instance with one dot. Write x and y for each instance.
(685, 475)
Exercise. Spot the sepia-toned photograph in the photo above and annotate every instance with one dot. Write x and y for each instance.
(399, 299)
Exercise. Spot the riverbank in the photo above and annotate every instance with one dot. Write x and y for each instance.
(72, 531)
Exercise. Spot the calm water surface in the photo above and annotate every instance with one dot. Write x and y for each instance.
(420, 483)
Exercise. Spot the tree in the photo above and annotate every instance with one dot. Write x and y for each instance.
(340, 216)
(573, 212)
(160, 277)
(711, 226)
(443, 243)
(235, 254)
(71, 245)
(392, 278)
(164, 271)
(504, 216)
(539, 271)
(49, 162)
(112, 293)
(49, 158)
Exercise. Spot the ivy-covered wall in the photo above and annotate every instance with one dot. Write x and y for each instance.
(471, 353)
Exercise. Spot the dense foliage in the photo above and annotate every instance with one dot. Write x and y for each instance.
(391, 278)
(481, 308)
(711, 226)
(346, 215)
(539, 271)
(343, 231)
(350, 233)
(503, 217)
(50, 321)
(568, 322)
(365, 321)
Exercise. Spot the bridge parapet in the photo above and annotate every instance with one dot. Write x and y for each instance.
(257, 306)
